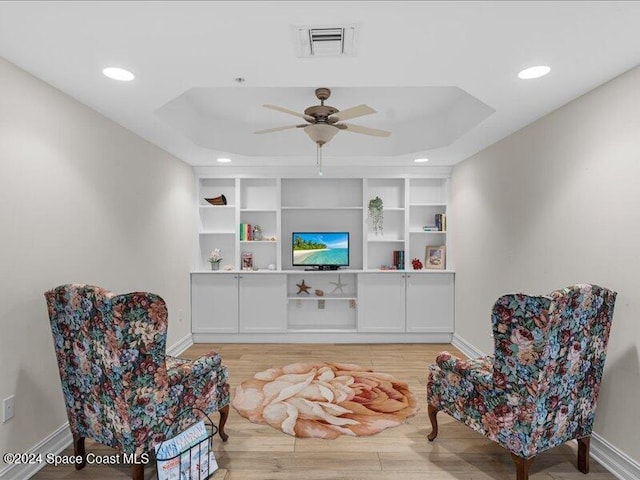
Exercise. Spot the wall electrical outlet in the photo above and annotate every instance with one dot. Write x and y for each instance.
(8, 408)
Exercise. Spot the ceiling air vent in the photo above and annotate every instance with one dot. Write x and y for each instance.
(324, 41)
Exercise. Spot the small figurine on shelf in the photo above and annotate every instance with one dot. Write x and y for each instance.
(215, 257)
(257, 232)
(416, 264)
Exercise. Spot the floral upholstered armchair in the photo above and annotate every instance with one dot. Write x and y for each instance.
(119, 386)
(541, 388)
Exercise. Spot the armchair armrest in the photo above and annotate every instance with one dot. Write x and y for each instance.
(449, 362)
(179, 369)
(478, 370)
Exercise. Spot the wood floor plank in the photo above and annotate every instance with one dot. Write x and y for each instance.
(260, 452)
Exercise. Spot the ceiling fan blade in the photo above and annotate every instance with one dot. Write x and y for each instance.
(277, 129)
(353, 112)
(290, 112)
(365, 130)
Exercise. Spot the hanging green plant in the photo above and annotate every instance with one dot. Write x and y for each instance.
(375, 213)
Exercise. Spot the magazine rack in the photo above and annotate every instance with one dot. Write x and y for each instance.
(193, 462)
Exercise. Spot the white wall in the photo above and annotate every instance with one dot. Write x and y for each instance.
(81, 200)
(554, 204)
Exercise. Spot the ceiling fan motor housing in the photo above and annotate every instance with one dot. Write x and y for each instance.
(321, 113)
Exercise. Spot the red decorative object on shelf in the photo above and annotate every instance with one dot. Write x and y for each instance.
(416, 263)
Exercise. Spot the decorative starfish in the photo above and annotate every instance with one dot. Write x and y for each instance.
(303, 288)
(338, 285)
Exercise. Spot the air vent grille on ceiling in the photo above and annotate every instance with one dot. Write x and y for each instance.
(325, 41)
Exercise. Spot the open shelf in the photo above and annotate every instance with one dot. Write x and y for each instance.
(326, 297)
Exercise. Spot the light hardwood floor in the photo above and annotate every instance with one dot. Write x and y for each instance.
(259, 452)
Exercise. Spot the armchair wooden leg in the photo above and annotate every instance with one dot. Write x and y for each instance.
(522, 466)
(224, 414)
(433, 411)
(137, 471)
(583, 454)
(79, 451)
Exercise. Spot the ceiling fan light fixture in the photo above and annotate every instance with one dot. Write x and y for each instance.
(321, 133)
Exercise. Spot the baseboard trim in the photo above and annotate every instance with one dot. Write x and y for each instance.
(321, 337)
(465, 347)
(620, 464)
(180, 346)
(54, 443)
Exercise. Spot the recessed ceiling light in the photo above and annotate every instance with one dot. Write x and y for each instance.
(421, 160)
(223, 160)
(120, 74)
(534, 72)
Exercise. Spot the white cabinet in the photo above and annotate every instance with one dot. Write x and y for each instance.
(263, 302)
(429, 302)
(381, 302)
(214, 303)
(411, 302)
(238, 302)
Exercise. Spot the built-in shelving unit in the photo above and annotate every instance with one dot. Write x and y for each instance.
(374, 304)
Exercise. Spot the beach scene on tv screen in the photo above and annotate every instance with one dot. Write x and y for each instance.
(321, 249)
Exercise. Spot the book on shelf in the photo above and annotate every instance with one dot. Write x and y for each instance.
(441, 222)
(246, 232)
(430, 228)
(398, 259)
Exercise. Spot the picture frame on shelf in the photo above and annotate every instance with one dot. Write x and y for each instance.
(435, 257)
(247, 261)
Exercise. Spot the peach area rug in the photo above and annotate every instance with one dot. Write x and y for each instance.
(325, 400)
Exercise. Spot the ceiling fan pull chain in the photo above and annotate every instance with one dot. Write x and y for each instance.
(319, 158)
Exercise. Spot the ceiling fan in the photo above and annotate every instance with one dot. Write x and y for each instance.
(325, 121)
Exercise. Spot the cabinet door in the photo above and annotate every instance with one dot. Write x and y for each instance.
(214, 303)
(381, 302)
(430, 302)
(263, 302)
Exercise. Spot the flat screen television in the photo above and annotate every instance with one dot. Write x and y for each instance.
(320, 250)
